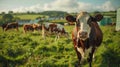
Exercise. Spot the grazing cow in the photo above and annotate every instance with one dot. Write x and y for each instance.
(50, 27)
(86, 35)
(31, 27)
(55, 28)
(28, 27)
(60, 30)
(7, 26)
(37, 27)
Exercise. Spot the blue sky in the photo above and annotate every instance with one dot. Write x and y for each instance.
(63, 5)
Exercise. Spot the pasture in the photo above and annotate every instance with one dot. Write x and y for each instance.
(27, 16)
(31, 50)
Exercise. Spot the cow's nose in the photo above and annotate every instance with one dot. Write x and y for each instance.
(83, 34)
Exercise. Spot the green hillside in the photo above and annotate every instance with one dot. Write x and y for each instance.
(26, 16)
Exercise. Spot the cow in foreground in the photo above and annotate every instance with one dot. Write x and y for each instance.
(86, 35)
(7, 26)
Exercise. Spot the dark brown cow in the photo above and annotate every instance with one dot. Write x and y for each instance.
(28, 27)
(86, 36)
(7, 26)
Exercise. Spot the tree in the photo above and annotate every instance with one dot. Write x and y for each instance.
(10, 12)
(7, 18)
(16, 19)
(28, 12)
(3, 13)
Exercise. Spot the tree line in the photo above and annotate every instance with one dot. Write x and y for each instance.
(9, 17)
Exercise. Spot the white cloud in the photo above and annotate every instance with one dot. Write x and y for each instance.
(67, 5)
(85, 6)
(34, 8)
(107, 6)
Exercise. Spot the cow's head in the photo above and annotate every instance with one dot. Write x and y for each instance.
(83, 21)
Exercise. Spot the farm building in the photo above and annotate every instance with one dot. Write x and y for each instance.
(105, 21)
(118, 20)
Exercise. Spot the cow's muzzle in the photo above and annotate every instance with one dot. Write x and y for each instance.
(83, 35)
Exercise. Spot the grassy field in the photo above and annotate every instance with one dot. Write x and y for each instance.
(26, 16)
(31, 50)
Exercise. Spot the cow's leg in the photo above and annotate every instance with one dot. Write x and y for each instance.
(67, 35)
(78, 54)
(6, 29)
(57, 37)
(79, 58)
(91, 57)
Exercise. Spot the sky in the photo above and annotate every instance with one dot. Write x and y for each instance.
(58, 5)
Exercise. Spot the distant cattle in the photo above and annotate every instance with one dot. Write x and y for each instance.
(50, 27)
(37, 26)
(56, 29)
(31, 27)
(7, 26)
(86, 35)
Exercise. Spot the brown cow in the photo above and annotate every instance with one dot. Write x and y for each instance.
(28, 27)
(31, 27)
(86, 36)
(37, 27)
(7, 26)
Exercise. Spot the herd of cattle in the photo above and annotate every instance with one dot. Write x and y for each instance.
(48, 27)
(86, 35)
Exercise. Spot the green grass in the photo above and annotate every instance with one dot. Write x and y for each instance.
(31, 50)
(26, 16)
(32, 17)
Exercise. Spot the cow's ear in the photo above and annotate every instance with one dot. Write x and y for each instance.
(70, 18)
(98, 17)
